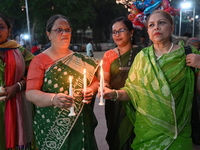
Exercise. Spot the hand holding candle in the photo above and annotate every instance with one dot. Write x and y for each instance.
(72, 113)
(101, 83)
(84, 84)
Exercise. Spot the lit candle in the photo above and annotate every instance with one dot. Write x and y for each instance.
(101, 83)
(71, 94)
(84, 83)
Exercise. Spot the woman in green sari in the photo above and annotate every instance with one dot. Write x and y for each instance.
(48, 88)
(160, 87)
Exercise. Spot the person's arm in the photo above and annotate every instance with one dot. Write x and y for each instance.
(12, 90)
(42, 99)
(106, 68)
(107, 79)
(35, 78)
(115, 94)
(91, 52)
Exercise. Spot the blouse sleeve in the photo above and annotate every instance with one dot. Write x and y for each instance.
(37, 68)
(108, 58)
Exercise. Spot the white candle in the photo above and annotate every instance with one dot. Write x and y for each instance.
(71, 94)
(101, 83)
(84, 83)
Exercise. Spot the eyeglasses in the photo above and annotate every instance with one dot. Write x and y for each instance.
(61, 31)
(120, 31)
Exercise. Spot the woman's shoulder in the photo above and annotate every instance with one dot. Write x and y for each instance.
(42, 58)
(111, 53)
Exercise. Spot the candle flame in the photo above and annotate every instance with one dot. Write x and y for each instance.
(84, 71)
(101, 63)
(70, 79)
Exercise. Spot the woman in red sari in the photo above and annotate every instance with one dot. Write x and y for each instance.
(15, 111)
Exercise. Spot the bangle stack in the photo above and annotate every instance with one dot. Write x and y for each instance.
(21, 86)
(52, 98)
(116, 95)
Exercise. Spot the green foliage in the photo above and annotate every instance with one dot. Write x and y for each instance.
(82, 13)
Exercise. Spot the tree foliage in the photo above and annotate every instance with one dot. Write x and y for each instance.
(82, 13)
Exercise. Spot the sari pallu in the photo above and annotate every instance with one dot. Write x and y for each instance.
(120, 133)
(161, 92)
(15, 124)
(54, 129)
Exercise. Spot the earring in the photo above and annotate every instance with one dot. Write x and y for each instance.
(131, 38)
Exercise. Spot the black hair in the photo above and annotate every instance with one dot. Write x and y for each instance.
(6, 20)
(52, 20)
(125, 21)
(89, 40)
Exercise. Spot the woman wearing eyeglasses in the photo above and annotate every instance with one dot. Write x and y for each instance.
(48, 87)
(116, 65)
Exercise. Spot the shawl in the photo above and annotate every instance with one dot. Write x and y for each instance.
(120, 130)
(54, 129)
(15, 130)
(161, 92)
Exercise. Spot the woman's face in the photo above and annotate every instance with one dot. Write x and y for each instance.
(4, 31)
(60, 34)
(121, 37)
(159, 28)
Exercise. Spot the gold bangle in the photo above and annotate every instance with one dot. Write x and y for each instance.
(52, 98)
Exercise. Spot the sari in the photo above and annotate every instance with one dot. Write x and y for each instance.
(53, 128)
(161, 91)
(120, 132)
(15, 114)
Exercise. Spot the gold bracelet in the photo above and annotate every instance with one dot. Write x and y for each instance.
(116, 97)
(52, 98)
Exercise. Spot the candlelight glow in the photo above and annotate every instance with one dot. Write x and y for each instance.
(84, 71)
(70, 79)
(84, 83)
(101, 83)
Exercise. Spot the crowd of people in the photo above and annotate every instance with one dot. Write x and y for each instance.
(148, 90)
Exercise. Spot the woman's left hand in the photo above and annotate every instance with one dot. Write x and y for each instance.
(193, 60)
(88, 94)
